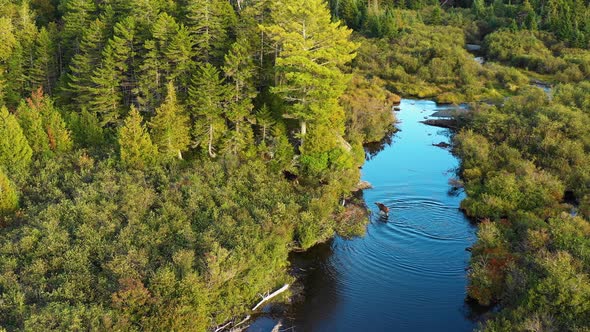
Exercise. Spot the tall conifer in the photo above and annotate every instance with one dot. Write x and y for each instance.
(15, 152)
(136, 148)
(170, 127)
(208, 99)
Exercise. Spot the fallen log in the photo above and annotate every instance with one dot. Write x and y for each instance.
(222, 327)
(270, 296)
(264, 299)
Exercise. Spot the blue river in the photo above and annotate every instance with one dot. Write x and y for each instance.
(408, 273)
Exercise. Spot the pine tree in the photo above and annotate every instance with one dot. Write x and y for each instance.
(31, 123)
(265, 121)
(19, 65)
(7, 39)
(26, 33)
(125, 45)
(151, 77)
(168, 59)
(77, 17)
(530, 20)
(7, 44)
(44, 72)
(136, 148)
(106, 98)
(15, 152)
(114, 81)
(178, 56)
(170, 127)
(210, 23)
(86, 129)
(86, 61)
(251, 17)
(43, 124)
(8, 196)
(207, 99)
(313, 49)
(239, 69)
(155, 69)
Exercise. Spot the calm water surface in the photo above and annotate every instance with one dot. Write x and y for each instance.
(408, 272)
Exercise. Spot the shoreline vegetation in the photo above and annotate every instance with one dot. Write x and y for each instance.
(160, 159)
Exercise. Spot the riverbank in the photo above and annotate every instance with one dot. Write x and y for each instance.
(411, 263)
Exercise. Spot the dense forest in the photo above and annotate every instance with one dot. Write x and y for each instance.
(159, 159)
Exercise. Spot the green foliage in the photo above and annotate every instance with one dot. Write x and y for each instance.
(43, 125)
(44, 72)
(368, 109)
(313, 50)
(85, 61)
(210, 24)
(86, 129)
(137, 243)
(15, 152)
(136, 148)
(518, 160)
(170, 127)
(8, 196)
(427, 62)
(208, 99)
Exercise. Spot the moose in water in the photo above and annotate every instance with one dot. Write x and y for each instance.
(383, 209)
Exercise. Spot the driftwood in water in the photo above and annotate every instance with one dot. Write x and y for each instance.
(277, 327)
(222, 327)
(270, 296)
(235, 327)
(264, 299)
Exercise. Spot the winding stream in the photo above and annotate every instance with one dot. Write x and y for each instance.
(408, 272)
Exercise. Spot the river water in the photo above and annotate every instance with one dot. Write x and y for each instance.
(408, 272)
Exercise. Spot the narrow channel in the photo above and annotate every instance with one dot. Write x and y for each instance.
(408, 273)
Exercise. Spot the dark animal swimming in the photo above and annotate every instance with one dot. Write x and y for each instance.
(383, 208)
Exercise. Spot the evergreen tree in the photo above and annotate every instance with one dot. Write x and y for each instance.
(207, 99)
(239, 69)
(168, 58)
(86, 129)
(106, 98)
(170, 127)
(31, 123)
(530, 19)
(136, 148)
(7, 39)
(155, 69)
(114, 81)
(44, 72)
(77, 17)
(265, 121)
(313, 49)
(22, 60)
(125, 45)
(15, 152)
(7, 44)
(210, 23)
(151, 77)
(43, 124)
(8, 196)
(86, 61)
(178, 56)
